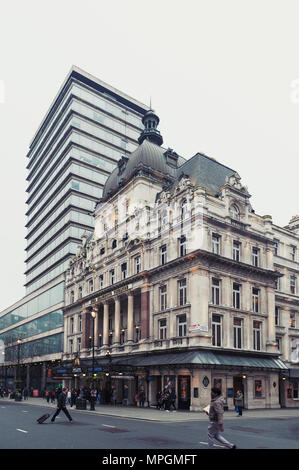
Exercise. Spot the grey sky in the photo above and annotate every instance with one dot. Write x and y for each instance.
(221, 76)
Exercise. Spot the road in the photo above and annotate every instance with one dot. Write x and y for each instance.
(91, 431)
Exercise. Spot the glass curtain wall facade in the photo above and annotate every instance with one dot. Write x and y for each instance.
(87, 129)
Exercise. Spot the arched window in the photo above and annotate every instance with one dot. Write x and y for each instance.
(114, 244)
(234, 212)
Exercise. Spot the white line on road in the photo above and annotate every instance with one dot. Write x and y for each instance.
(108, 426)
(215, 445)
(25, 411)
(22, 430)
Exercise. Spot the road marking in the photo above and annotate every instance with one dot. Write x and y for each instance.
(108, 426)
(25, 411)
(215, 445)
(3, 406)
(22, 430)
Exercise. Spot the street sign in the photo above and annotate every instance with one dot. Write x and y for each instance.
(198, 326)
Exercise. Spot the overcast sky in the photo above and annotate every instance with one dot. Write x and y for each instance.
(223, 76)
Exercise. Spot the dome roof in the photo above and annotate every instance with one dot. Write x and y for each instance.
(148, 159)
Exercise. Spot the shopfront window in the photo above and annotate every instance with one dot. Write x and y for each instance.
(258, 390)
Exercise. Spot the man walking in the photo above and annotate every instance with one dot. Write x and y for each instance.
(239, 402)
(216, 420)
(61, 405)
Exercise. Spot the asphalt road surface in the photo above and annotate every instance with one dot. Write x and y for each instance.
(20, 430)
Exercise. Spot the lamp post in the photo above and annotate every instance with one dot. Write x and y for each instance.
(93, 314)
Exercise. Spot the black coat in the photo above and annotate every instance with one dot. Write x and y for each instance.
(61, 400)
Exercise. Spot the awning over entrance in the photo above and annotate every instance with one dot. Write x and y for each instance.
(204, 359)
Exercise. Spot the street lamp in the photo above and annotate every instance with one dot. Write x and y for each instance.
(19, 341)
(93, 314)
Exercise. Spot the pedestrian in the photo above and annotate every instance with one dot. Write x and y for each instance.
(99, 395)
(114, 396)
(136, 399)
(47, 396)
(215, 414)
(141, 398)
(167, 400)
(239, 402)
(73, 397)
(25, 393)
(61, 405)
(158, 399)
(69, 396)
(53, 396)
(172, 398)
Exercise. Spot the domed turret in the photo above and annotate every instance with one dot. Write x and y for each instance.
(151, 121)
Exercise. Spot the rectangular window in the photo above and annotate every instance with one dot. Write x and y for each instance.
(236, 250)
(293, 284)
(255, 256)
(71, 346)
(124, 270)
(182, 284)
(101, 279)
(216, 330)
(90, 285)
(80, 323)
(258, 390)
(257, 335)
(238, 333)
(72, 297)
(78, 344)
(183, 246)
(80, 292)
(278, 341)
(277, 283)
(138, 264)
(163, 254)
(293, 253)
(163, 329)
(255, 300)
(215, 291)
(295, 390)
(216, 244)
(276, 245)
(163, 298)
(236, 295)
(112, 276)
(72, 325)
(277, 316)
(181, 325)
(293, 320)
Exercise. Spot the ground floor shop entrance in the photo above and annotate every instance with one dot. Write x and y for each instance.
(184, 392)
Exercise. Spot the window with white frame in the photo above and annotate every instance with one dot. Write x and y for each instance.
(236, 250)
(183, 245)
(163, 297)
(216, 243)
(257, 332)
(71, 325)
(277, 316)
(238, 333)
(276, 246)
(216, 330)
(112, 276)
(163, 254)
(137, 264)
(293, 253)
(80, 292)
(101, 279)
(293, 284)
(72, 297)
(182, 285)
(71, 346)
(236, 295)
(295, 390)
(216, 291)
(90, 285)
(278, 341)
(80, 323)
(163, 328)
(255, 256)
(181, 325)
(277, 283)
(78, 344)
(293, 320)
(137, 333)
(255, 299)
(124, 270)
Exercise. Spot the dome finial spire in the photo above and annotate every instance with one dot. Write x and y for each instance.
(150, 132)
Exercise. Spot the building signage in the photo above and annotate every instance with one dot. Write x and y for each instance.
(109, 294)
(198, 326)
(77, 370)
(61, 371)
(96, 369)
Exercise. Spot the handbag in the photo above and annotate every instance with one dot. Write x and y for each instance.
(237, 409)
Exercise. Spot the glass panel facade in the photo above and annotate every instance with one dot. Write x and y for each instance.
(49, 345)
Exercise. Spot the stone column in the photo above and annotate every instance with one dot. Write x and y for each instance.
(106, 325)
(28, 376)
(271, 340)
(130, 317)
(85, 329)
(117, 321)
(145, 316)
(226, 292)
(96, 327)
(199, 300)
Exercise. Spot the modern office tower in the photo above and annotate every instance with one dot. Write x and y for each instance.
(89, 126)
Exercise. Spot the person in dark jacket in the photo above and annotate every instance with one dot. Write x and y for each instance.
(61, 405)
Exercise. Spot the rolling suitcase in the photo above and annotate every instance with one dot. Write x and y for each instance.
(43, 418)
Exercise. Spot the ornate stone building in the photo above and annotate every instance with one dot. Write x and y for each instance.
(179, 286)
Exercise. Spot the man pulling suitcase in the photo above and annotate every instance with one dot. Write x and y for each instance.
(61, 405)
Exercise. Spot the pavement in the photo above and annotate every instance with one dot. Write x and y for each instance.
(152, 414)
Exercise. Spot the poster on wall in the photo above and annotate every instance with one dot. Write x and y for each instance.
(169, 382)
